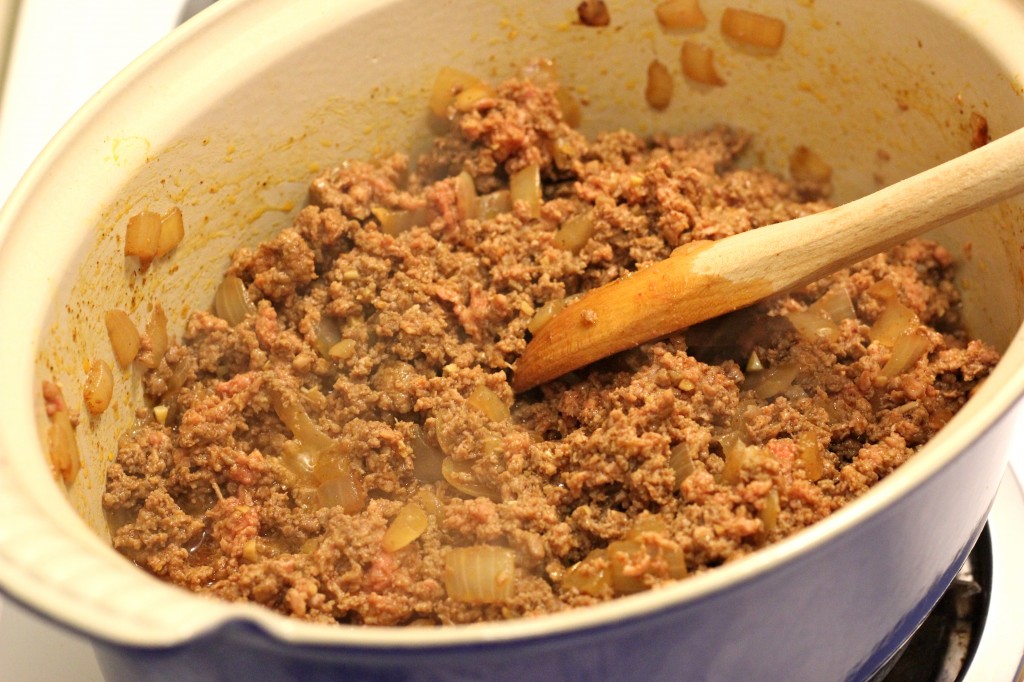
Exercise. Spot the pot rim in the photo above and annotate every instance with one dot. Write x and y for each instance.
(41, 561)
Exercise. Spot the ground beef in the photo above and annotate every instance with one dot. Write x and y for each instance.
(366, 397)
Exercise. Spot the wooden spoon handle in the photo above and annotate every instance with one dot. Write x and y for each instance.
(706, 279)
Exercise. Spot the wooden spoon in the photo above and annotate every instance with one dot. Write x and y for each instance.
(705, 279)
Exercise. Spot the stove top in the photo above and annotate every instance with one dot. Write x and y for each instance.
(973, 635)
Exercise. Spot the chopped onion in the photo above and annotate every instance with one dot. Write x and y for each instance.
(63, 446)
(159, 341)
(345, 491)
(427, 459)
(884, 291)
(142, 236)
(98, 388)
(769, 514)
(494, 204)
(544, 315)
(773, 381)
(806, 166)
(295, 417)
(468, 98)
(680, 460)
(572, 114)
(813, 324)
(735, 458)
(327, 334)
(172, 231)
(410, 523)
(299, 460)
(524, 185)
(488, 402)
(482, 574)
(448, 84)
(754, 363)
(465, 196)
(659, 86)
(431, 504)
(836, 304)
(160, 414)
(811, 456)
(575, 232)
(622, 554)
(680, 14)
(895, 321)
(459, 475)
(906, 351)
(590, 576)
(124, 336)
(231, 302)
(395, 222)
(699, 63)
(752, 28)
(343, 350)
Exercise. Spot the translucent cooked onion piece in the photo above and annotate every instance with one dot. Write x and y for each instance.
(813, 324)
(172, 231)
(769, 513)
(427, 459)
(575, 232)
(680, 460)
(481, 574)
(590, 576)
(343, 350)
(471, 96)
(459, 475)
(431, 504)
(680, 14)
(98, 388)
(488, 402)
(327, 334)
(447, 86)
(465, 196)
(124, 336)
(63, 447)
(771, 382)
(410, 523)
(836, 304)
(345, 490)
(752, 28)
(811, 456)
(544, 315)
(906, 351)
(290, 411)
(698, 63)
(159, 340)
(624, 558)
(735, 458)
(659, 86)
(142, 236)
(572, 113)
(231, 302)
(524, 186)
(494, 204)
(395, 222)
(895, 321)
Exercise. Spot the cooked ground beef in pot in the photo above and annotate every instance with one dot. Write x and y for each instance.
(351, 450)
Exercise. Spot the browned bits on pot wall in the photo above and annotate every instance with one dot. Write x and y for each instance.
(593, 13)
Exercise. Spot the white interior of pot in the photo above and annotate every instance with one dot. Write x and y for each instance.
(878, 90)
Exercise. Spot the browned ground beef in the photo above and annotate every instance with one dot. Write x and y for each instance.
(669, 459)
